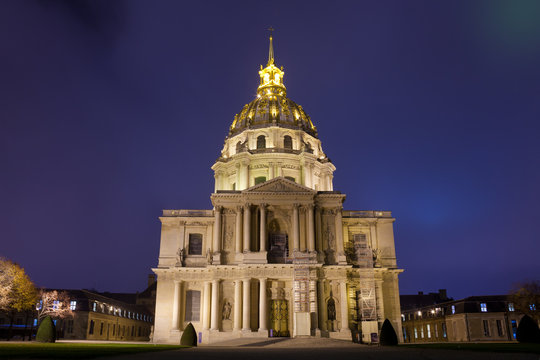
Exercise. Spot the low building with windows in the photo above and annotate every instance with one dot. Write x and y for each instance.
(277, 255)
(98, 317)
(473, 319)
(95, 317)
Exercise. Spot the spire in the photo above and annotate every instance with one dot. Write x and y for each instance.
(271, 50)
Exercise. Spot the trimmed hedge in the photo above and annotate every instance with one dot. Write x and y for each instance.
(46, 331)
(189, 336)
(527, 331)
(388, 334)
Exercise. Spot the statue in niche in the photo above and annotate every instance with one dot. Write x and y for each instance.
(209, 257)
(226, 313)
(180, 257)
(331, 308)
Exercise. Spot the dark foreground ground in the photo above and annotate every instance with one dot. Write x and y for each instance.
(272, 349)
(328, 349)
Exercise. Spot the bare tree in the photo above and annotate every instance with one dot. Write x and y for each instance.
(54, 304)
(526, 298)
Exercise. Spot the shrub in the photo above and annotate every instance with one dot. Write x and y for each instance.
(388, 335)
(527, 331)
(189, 336)
(46, 331)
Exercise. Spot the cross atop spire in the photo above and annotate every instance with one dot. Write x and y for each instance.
(271, 51)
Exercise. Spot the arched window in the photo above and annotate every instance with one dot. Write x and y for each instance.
(261, 142)
(287, 142)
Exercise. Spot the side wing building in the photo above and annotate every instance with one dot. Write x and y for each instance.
(278, 255)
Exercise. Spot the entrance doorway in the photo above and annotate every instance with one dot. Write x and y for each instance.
(279, 318)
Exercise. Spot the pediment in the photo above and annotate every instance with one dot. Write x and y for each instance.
(279, 185)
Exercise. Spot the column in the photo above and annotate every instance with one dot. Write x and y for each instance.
(379, 301)
(339, 237)
(279, 170)
(237, 305)
(217, 229)
(238, 229)
(315, 309)
(262, 244)
(322, 306)
(246, 306)
(238, 177)
(247, 226)
(176, 305)
(206, 305)
(262, 305)
(215, 304)
(296, 229)
(311, 228)
(246, 174)
(344, 305)
(270, 171)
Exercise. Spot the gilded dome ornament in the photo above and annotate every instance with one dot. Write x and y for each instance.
(271, 107)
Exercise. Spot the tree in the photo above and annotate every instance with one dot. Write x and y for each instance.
(527, 331)
(46, 331)
(189, 336)
(388, 334)
(17, 291)
(526, 299)
(54, 304)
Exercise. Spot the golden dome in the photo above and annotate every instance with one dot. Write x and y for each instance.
(271, 107)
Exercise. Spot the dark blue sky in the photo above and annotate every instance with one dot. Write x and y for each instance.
(113, 110)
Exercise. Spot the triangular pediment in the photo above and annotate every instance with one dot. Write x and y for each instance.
(279, 185)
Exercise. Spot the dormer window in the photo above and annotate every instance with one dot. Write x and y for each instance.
(261, 142)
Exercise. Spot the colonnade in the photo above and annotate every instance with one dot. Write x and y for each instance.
(243, 228)
(211, 311)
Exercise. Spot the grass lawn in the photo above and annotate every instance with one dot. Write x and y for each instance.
(75, 350)
(500, 347)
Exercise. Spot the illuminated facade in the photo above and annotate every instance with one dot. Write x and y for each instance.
(278, 255)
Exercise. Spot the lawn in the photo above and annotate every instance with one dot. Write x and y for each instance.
(75, 350)
(497, 347)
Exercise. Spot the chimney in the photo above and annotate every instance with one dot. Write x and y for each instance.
(151, 279)
(443, 294)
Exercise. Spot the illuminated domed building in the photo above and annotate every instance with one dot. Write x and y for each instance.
(278, 255)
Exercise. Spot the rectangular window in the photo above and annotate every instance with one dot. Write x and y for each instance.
(511, 307)
(101, 329)
(436, 328)
(514, 328)
(72, 305)
(428, 331)
(404, 333)
(532, 307)
(486, 328)
(422, 332)
(443, 326)
(453, 309)
(415, 333)
(483, 307)
(91, 328)
(94, 306)
(499, 328)
(193, 305)
(195, 244)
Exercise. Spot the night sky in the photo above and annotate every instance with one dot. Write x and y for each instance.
(111, 111)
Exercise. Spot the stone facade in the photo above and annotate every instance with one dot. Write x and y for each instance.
(277, 255)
